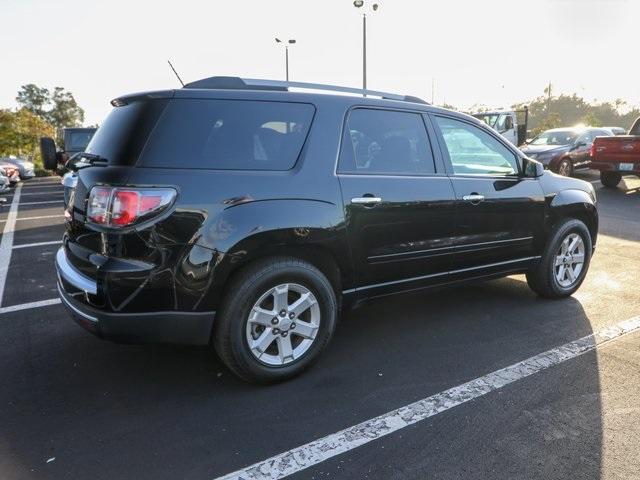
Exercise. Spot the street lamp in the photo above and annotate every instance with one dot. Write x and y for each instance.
(374, 7)
(291, 41)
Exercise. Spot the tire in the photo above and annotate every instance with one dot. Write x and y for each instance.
(543, 278)
(262, 282)
(565, 168)
(610, 179)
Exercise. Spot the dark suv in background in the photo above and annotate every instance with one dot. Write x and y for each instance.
(238, 213)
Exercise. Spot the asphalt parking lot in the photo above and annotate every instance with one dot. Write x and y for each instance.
(73, 406)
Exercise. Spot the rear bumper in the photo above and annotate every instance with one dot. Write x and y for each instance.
(191, 328)
(613, 167)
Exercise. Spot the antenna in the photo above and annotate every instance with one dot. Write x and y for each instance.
(174, 71)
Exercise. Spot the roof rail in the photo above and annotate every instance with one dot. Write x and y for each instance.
(237, 83)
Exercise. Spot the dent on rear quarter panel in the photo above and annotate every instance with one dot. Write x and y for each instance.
(252, 230)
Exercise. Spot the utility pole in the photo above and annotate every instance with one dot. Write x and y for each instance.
(433, 89)
(549, 99)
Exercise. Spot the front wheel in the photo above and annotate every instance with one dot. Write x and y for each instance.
(564, 262)
(278, 316)
(610, 179)
(565, 168)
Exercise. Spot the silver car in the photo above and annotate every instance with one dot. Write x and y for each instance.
(25, 167)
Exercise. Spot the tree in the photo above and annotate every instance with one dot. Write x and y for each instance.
(34, 99)
(59, 108)
(65, 111)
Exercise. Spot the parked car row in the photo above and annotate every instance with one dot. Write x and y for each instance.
(608, 149)
(12, 170)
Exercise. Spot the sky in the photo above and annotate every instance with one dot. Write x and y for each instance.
(490, 52)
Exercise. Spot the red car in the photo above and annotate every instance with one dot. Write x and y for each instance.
(617, 156)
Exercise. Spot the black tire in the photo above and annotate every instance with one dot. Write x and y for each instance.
(610, 179)
(565, 168)
(244, 290)
(542, 278)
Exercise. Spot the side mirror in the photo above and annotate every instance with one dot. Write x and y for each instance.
(532, 168)
(48, 153)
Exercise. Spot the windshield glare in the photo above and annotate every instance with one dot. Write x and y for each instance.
(558, 137)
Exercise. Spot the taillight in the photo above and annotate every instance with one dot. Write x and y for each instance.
(121, 207)
(592, 151)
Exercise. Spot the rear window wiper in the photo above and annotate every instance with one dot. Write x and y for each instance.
(92, 158)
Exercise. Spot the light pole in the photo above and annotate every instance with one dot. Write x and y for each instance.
(291, 41)
(374, 7)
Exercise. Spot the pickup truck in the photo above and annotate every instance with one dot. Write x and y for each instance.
(617, 156)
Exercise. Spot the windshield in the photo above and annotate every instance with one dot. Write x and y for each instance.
(488, 118)
(556, 137)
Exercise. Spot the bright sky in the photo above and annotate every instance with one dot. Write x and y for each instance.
(478, 51)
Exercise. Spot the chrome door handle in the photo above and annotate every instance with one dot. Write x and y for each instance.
(473, 198)
(366, 200)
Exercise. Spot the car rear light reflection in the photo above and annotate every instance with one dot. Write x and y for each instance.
(121, 207)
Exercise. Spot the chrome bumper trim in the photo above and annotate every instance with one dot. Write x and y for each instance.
(73, 276)
(76, 310)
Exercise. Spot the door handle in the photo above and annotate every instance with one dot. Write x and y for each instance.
(473, 198)
(366, 200)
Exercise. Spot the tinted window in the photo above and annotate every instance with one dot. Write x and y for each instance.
(124, 132)
(586, 138)
(383, 141)
(473, 151)
(229, 135)
(78, 141)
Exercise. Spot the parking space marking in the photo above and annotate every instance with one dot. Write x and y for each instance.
(318, 451)
(37, 244)
(56, 192)
(26, 306)
(6, 243)
(37, 217)
(41, 203)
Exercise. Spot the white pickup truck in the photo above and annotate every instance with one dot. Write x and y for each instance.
(511, 124)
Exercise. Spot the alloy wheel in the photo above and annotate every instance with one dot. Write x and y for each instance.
(283, 324)
(569, 260)
(564, 169)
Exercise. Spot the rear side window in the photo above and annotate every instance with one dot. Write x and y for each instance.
(386, 142)
(229, 135)
(123, 133)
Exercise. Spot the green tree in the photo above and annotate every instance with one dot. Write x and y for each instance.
(65, 111)
(34, 98)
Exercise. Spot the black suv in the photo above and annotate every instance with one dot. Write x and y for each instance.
(239, 213)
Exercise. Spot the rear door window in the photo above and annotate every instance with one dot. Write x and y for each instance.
(229, 135)
(386, 142)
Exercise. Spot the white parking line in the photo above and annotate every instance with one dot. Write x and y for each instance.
(312, 453)
(37, 244)
(6, 243)
(26, 306)
(41, 203)
(37, 217)
(57, 192)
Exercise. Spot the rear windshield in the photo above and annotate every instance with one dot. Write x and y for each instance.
(229, 135)
(124, 132)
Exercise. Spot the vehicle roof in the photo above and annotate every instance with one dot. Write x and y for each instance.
(235, 88)
(574, 129)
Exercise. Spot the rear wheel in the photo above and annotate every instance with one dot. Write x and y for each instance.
(610, 179)
(564, 262)
(278, 316)
(565, 168)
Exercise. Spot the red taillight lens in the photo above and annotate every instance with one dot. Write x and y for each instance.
(120, 207)
(592, 151)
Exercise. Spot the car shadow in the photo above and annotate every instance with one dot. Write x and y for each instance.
(114, 411)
